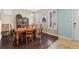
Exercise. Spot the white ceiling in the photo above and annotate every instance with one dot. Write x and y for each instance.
(33, 10)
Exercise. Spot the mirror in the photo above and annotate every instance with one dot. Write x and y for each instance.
(43, 19)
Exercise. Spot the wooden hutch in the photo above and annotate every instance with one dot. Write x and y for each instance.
(22, 22)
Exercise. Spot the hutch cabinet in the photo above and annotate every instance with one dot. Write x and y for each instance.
(21, 22)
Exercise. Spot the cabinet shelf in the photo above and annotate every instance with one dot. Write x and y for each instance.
(22, 21)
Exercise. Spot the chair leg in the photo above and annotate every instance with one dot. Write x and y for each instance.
(26, 40)
(32, 38)
(13, 39)
(17, 38)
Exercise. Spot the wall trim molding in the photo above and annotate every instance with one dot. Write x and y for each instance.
(50, 33)
(63, 37)
(60, 37)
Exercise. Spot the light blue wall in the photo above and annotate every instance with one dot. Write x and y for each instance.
(65, 22)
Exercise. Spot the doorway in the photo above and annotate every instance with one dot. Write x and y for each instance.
(76, 24)
(65, 27)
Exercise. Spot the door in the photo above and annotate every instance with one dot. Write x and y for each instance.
(65, 23)
(76, 24)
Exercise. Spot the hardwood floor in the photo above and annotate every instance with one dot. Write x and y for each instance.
(45, 42)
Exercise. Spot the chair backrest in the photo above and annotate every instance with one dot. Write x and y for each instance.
(31, 26)
(24, 26)
(6, 28)
(29, 30)
(39, 28)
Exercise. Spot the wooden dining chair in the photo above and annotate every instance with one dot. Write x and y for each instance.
(24, 25)
(29, 33)
(6, 29)
(31, 26)
(39, 31)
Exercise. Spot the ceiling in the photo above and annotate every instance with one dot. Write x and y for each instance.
(33, 10)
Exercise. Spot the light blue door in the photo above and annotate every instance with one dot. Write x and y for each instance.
(65, 22)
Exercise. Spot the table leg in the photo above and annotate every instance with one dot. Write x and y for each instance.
(17, 38)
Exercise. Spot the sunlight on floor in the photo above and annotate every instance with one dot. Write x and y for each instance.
(65, 44)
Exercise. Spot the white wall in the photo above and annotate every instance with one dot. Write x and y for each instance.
(45, 24)
(11, 19)
(76, 27)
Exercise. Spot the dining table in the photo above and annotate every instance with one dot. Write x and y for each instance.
(22, 30)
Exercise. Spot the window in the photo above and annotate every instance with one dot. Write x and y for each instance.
(78, 13)
(7, 11)
(52, 18)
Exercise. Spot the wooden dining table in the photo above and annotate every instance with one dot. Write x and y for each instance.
(22, 30)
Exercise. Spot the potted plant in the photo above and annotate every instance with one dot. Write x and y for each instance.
(18, 16)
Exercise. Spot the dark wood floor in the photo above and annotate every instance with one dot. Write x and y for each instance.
(45, 42)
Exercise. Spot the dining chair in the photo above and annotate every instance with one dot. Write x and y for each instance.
(29, 33)
(24, 26)
(39, 31)
(6, 29)
(31, 26)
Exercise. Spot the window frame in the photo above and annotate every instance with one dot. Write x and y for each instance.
(52, 18)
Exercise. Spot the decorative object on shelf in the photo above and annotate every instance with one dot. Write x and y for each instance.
(19, 16)
(25, 20)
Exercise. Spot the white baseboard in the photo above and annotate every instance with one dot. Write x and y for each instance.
(50, 33)
(63, 37)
